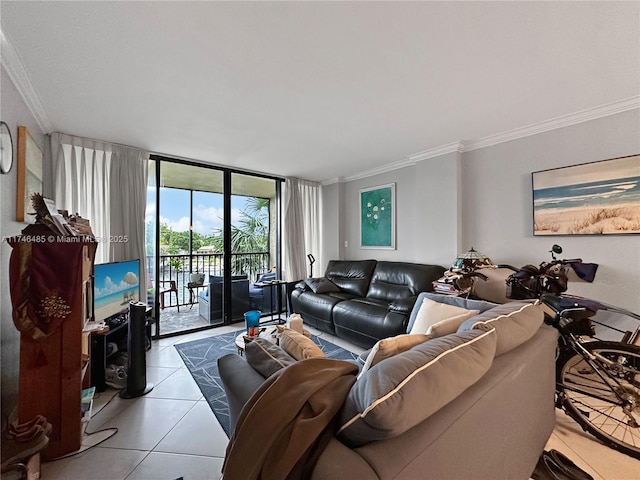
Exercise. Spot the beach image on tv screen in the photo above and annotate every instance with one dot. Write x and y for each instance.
(114, 286)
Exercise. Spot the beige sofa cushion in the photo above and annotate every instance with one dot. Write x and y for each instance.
(440, 318)
(298, 345)
(388, 347)
(515, 323)
(404, 390)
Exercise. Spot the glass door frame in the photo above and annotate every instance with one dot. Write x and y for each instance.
(227, 254)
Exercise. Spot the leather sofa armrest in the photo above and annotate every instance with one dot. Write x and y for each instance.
(403, 305)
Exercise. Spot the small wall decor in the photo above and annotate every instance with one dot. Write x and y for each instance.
(588, 199)
(377, 217)
(6, 148)
(29, 174)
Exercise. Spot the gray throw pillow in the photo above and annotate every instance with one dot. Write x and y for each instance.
(514, 322)
(321, 285)
(266, 357)
(402, 391)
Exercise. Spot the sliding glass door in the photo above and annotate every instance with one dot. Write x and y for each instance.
(215, 232)
(253, 240)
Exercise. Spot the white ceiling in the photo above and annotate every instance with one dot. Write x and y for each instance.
(317, 90)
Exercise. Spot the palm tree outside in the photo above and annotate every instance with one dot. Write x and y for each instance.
(249, 240)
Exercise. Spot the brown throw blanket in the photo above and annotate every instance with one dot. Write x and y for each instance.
(282, 420)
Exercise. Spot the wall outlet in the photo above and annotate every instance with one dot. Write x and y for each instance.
(346, 243)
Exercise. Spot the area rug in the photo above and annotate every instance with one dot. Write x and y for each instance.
(201, 358)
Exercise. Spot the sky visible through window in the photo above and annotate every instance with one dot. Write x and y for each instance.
(207, 210)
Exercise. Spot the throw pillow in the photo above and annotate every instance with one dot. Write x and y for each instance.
(266, 357)
(299, 346)
(514, 322)
(461, 302)
(450, 325)
(321, 285)
(433, 313)
(404, 390)
(388, 347)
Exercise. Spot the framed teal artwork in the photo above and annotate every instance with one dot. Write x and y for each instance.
(377, 217)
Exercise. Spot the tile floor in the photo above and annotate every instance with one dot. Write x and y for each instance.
(171, 432)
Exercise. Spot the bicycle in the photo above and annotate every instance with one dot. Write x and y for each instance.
(597, 381)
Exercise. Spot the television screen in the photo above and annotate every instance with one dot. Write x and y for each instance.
(114, 286)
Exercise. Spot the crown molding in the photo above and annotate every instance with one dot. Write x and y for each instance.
(589, 114)
(18, 75)
(406, 162)
(410, 160)
(586, 115)
(455, 147)
(331, 181)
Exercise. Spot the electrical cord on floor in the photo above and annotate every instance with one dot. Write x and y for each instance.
(115, 393)
(88, 438)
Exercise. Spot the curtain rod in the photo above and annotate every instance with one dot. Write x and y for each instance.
(165, 157)
(102, 141)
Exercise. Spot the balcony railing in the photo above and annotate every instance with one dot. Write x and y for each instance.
(178, 268)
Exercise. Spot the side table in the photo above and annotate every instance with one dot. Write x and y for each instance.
(191, 286)
(277, 286)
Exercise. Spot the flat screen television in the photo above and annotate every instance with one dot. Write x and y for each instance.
(114, 286)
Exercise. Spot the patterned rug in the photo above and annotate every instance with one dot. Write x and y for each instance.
(201, 358)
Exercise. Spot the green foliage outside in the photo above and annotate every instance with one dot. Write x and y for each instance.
(249, 235)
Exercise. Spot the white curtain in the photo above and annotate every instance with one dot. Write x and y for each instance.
(82, 172)
(302, 235)
(128, 199)
(106, 184)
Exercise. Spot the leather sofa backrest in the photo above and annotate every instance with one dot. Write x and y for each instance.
(351, 276)
(397, 280)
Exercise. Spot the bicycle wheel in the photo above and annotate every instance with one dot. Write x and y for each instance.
(594, 403)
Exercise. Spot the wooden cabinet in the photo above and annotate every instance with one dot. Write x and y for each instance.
(54, 369)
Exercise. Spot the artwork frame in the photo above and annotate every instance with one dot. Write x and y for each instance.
(29, 174)
(596, 198)
(378, 217)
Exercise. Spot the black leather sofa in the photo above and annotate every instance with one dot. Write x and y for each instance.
(373, 300)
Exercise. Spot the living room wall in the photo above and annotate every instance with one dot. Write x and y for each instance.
(427, 205)
(14, 113)
(482, 199)
(497, 203)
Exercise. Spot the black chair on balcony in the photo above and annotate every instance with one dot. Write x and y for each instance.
(210, 301)
(264, 297)
(173, 287)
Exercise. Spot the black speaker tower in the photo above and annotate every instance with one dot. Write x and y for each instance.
(137, 361)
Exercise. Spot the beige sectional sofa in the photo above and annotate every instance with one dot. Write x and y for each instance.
(475, 404)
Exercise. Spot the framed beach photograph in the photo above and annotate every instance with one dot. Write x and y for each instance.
(598, 198)
(377, 217)
(29, 174)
